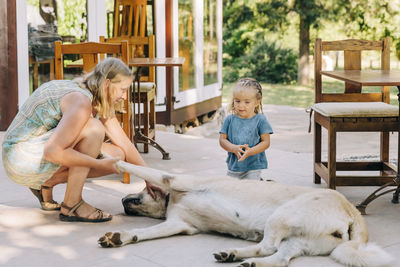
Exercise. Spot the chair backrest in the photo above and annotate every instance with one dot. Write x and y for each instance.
(129, 18)
(137, 48)
(90, 52)
(352, 61)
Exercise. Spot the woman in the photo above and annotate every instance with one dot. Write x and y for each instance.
(56, 138)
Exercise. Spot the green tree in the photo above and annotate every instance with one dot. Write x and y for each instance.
(366, 19)
(310, 13)
(71, 17)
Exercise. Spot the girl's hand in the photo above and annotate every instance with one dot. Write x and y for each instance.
(151, 188)
(109, 164)
(247, 152)
(240, 150)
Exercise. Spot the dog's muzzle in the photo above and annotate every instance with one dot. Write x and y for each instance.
(130, 200)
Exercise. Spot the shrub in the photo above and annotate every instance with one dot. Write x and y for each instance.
(264, 62)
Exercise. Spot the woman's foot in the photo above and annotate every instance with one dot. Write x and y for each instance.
(45, 197)
(83, 212)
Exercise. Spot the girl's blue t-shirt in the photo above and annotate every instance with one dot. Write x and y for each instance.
(246, 131)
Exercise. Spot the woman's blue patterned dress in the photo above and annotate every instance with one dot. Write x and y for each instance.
(24, 141)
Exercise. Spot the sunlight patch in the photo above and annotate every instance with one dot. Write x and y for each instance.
(18, 218)
(6, 253)
(54, 230)
(66, 252)
(119, 255)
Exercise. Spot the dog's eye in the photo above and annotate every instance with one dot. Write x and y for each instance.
(136, 201)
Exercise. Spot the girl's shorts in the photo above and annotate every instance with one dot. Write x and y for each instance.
(252, 174)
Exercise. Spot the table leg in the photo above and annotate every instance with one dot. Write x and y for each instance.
(396, 181)
(395, 198)
(139, 137)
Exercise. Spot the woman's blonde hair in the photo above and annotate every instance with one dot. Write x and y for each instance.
(94, 82)
(245, 84)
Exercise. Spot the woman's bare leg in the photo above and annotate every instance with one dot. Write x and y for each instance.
(89, 142)
(91, 139)
(61, 176)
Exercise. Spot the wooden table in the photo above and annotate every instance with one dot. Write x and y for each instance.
(374, 78)
(149, 62)
(157, 62)
(366, 77)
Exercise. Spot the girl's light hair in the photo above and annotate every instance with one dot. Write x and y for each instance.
(245, 84)
(94, 82)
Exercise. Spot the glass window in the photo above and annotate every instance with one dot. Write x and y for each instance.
(50, 21)
(210, 52)
(110, 17)
(187, 73)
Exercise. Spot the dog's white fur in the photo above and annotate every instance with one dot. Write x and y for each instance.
(289, 221)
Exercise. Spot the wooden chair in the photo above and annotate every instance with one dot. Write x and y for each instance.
(35, 64)
(352, 111)
(147, 86)
(129, 18)
(91, 54)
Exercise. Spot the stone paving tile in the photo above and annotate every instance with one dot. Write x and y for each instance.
(32, 237)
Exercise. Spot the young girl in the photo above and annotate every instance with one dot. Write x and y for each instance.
(245, 134)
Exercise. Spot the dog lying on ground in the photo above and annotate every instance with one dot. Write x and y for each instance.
(287, 221)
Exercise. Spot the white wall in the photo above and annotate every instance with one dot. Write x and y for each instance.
(160, 52)
(97, 23)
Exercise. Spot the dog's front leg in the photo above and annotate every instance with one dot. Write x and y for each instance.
(167, 228)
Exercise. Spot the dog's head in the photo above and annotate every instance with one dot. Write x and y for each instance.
(142, 204)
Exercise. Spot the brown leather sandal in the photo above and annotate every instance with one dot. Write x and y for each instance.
(73, 216)
(46, 205)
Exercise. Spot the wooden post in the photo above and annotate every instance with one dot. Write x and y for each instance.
(317, 70)
(8, 63)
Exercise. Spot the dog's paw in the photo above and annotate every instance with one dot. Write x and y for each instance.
(225, 256)
(116, 239)
(247, 264)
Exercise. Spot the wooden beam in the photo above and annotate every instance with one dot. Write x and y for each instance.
(168, 53)
(8, 63)
(194, 110)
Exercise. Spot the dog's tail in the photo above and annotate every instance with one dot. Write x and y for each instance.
(356, 253)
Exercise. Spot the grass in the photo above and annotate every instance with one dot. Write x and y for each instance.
(299, 95)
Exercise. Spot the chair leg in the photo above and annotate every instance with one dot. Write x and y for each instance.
(384, 149)
(126, 178)
(146, 123)
(127, 120)
(52, 69)
(153, 116)
(35, 76)
(317, 150)
(332, 157)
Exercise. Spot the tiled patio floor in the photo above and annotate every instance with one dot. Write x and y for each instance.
(32, 237)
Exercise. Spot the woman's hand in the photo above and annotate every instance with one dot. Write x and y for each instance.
(109, 164)
(151, 188)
